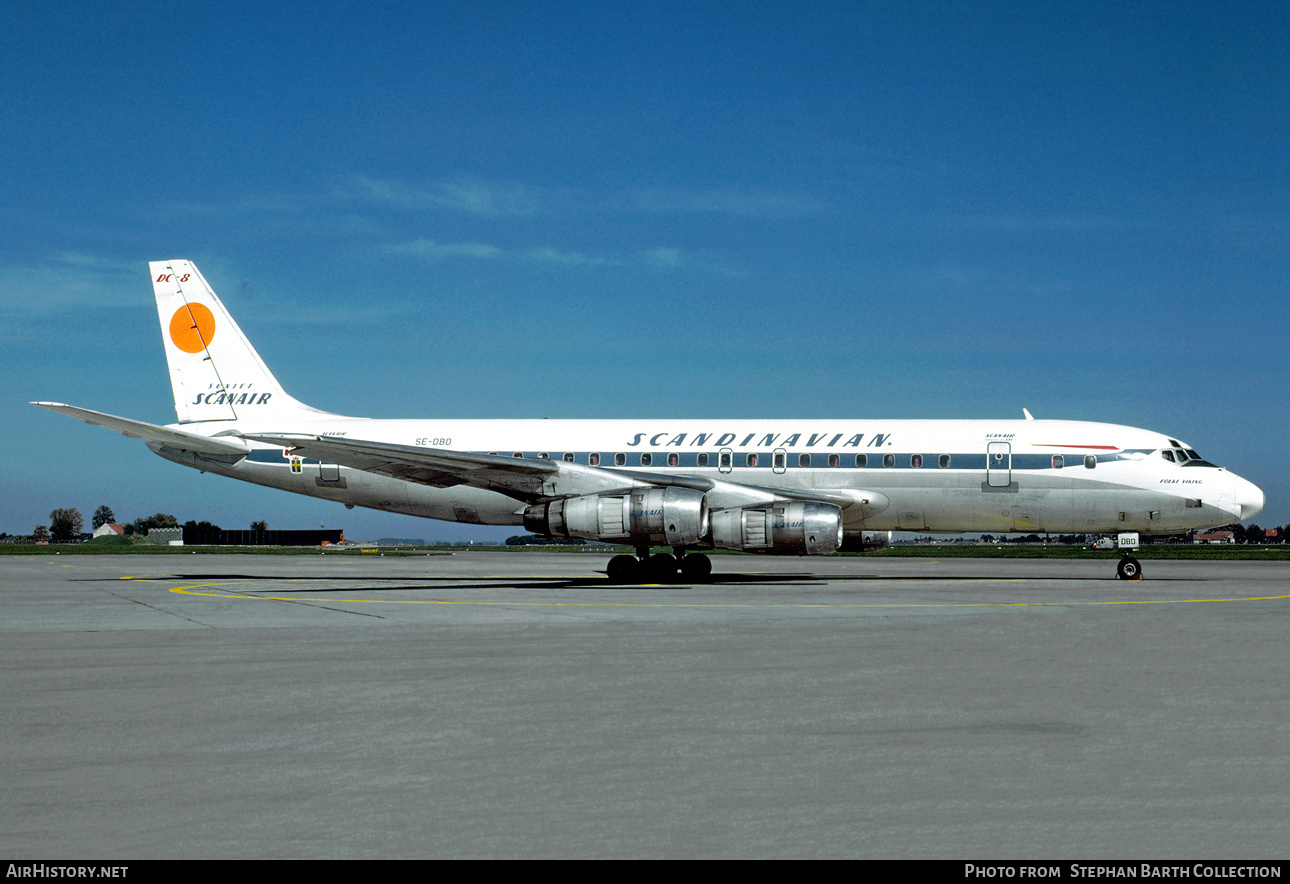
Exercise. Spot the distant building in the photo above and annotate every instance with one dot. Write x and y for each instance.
(1214, 537)
(109, 530)
(166, 536)
(210, 536)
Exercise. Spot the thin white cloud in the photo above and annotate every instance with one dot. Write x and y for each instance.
(73, 281)
(735, 203)
(554, 256)
(488, 199)
(660, 258)
(432, 250)
(665, 257)
(495, 199)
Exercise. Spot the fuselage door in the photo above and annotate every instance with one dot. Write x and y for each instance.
(998, 464)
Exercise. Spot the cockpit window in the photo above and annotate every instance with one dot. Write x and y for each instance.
(1167, 454)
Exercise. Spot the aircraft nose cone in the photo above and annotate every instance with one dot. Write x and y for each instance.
(1249, 497)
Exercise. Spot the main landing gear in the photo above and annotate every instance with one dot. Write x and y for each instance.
(660, 567)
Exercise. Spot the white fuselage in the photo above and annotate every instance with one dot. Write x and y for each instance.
(916, 475)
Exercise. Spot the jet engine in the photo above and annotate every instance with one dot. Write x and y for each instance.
(656, 516)
(795, 527)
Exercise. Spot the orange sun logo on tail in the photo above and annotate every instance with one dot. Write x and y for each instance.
(192, 327)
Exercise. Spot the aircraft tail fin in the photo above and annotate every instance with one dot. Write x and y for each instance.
(215, 373)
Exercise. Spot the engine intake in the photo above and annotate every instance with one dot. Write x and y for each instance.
(666, 516)
(797, 527)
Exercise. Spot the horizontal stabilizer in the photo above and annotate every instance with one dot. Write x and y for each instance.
(152, 433)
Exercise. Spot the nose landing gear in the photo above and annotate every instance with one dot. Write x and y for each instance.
(1128, 569)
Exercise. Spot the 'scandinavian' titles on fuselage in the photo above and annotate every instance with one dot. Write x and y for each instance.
(793, 486)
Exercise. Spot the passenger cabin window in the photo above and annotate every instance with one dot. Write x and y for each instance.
(703, 459)
(1090, 461)
(803, 460)
(673, 459)
(752, 460)
(544, 455)
(647, 459)
(593, 459)
(568, 457)
(518, 454)
(916, 461)
(889, 460)
(943, 461)
(620, 459)
(1058, 461)
(778, 460)
(862, 460)
(834, 460)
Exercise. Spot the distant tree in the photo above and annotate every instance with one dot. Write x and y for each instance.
(102, 516)
(65, 524)
(156, 520)
(1254, 534)
(260, 526)
(543, 540)
(41, 533)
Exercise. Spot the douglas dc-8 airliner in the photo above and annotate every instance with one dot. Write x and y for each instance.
(797, 487)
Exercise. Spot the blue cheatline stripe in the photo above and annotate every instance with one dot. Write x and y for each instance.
(765, 460)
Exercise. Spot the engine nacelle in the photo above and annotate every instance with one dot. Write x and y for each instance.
(666, 516)
(795, 527)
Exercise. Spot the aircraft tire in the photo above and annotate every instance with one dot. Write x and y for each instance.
(1128, 569)
(623, 569)
(660, 568)
(696, 568)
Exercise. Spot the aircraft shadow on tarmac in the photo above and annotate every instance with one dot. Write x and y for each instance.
(403, 583)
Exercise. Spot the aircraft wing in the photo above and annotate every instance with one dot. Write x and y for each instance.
(523, 478)
(152, 433)
(526, 478)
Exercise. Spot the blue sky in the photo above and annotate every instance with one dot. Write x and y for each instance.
(887, 209)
